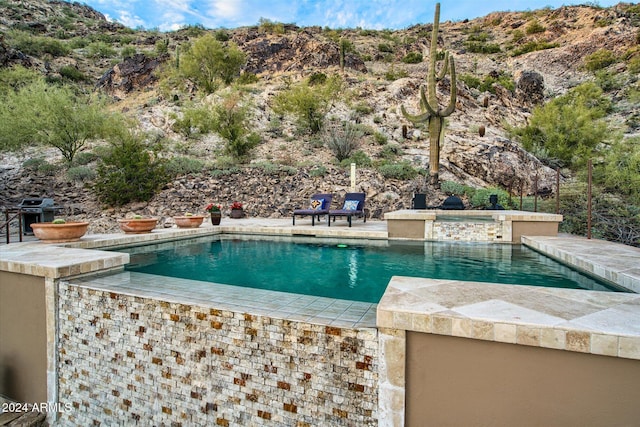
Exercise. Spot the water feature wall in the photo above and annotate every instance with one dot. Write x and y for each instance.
(156, 362)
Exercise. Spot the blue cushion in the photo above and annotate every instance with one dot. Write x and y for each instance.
(317, 204)
(350, 205)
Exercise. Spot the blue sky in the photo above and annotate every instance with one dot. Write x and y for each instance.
(168, 15)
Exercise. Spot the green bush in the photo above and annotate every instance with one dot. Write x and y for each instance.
(209, 63)
(535, 27)
(402, 170)
(453, 188)
(308, 103)
(317, 171)
(231, 120)
(478, 47)
(533, 46)
(84, 158)
(359, 157)
(127, 52)
(177, 166)
(81, 173)
(195, 121)
(569, 127)
(100, 49)
(342, 138)
(412, 58)
(129, 172)
(480, 197)
(390, 151)
(271, 27)
(385, 48)
(599, 59)
(72, 73)
(36, 45)
(221, 35)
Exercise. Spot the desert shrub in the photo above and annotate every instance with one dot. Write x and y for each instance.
(535, 27)
(342, 138)
(569, 127)
(81, 173)
(317, 171)
(84, 158)
(193, 30)
(194, 121)
(359, 157)
(16, 77)
(385, 48)
(620, 170)
(390, 151)
(380, 138)
(130, 172)
(247, 78)
(231, 120)
(479, 47)
(161, 47)
(40, 165)
(181, 165)
(209, 63)
(308, 103)
(453, 188)
(317, 79)
(72, 73)
(36, 45)
(532, 47)
(599, 59)
(54, 115)
(412, 58)
(128, 52)
(393, 74)
(221, 35)
(486, 84)
(480, 197)
(402, 170)
(100, 49)
(271, 27)
(362, 109)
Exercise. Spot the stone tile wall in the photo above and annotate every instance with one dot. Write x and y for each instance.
(125, 360)
(468, 231)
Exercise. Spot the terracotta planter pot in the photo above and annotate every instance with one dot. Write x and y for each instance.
(216, 217)
(138, 226)
(236, 213)
(59, 233)
(193, 221)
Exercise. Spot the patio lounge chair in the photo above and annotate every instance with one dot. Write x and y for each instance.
(320, 204)
(353, 206)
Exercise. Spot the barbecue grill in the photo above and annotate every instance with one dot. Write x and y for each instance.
(36, 210)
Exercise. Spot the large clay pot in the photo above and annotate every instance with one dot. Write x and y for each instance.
(137, 226)
(191, 221)
(59, 233)
(236, 213)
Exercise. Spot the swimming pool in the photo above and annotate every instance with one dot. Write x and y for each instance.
(353, 269)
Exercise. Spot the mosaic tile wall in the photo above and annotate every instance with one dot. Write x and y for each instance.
(469, 232)
(126, 360)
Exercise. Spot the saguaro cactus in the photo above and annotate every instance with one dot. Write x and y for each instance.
(430, 110)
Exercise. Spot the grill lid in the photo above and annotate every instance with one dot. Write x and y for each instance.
(36, 203)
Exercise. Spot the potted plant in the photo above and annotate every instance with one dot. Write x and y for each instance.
(189, 220)
(137, 224)
(59, 231)
(216, 213)
(236, 210)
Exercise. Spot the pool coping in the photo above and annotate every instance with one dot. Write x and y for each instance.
(56, 261)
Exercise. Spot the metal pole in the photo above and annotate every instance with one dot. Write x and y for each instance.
(535, 193)
(353, 177)
(589, 167)
(557, 191)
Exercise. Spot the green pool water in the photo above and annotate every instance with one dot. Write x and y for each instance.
(349, 269)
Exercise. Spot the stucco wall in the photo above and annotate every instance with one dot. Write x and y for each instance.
(23, 338)
(455, 381)
(125, 359)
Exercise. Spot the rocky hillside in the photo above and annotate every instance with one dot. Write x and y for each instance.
(505, 46)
